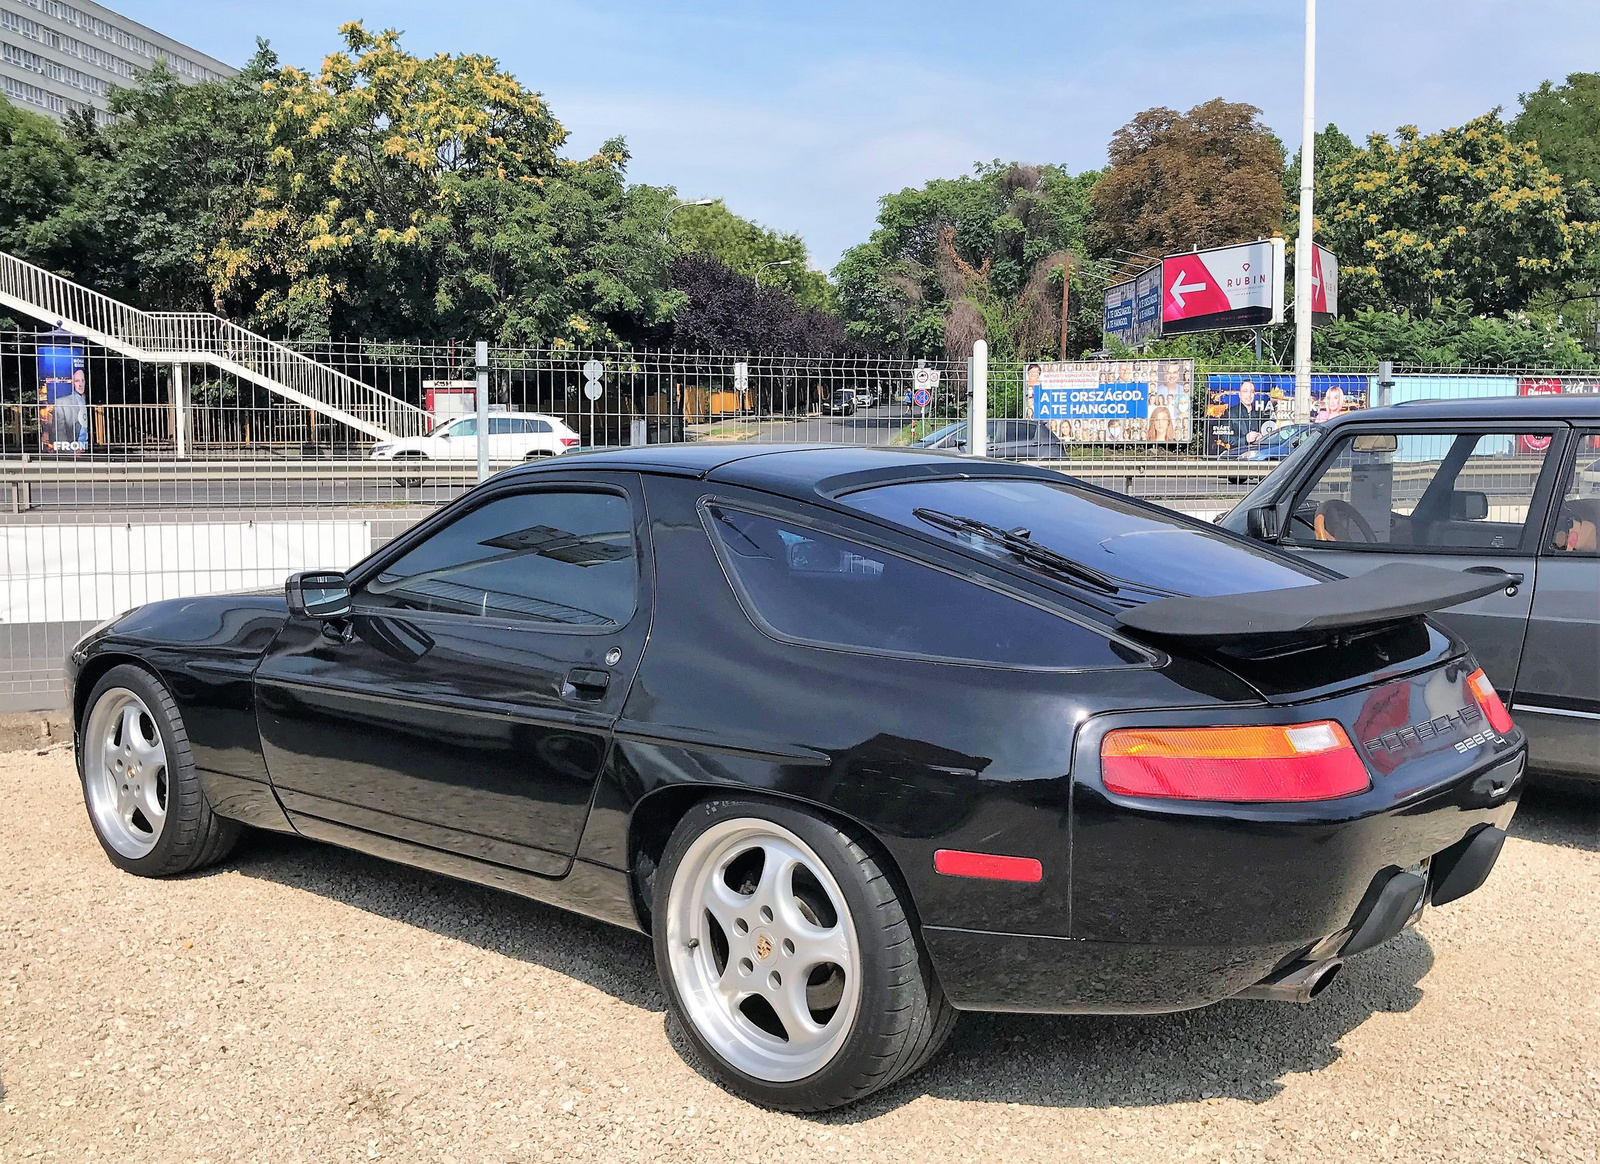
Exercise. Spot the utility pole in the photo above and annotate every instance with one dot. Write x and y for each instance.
(1304, 246)
(482, 402)
(1065, 268)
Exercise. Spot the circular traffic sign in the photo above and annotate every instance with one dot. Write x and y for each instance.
(922, 378)
(593, 389)
(921, 397)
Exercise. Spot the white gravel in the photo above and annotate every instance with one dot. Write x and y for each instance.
(304, 1004)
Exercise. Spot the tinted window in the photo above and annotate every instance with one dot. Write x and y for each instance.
(546, 557)
(499, 426)
(1114, 537)
(538, 426)
(1423, 491)
(1578, 516)
(468, 427)
(821, 589)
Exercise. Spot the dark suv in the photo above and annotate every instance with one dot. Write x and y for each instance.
(1508, 483)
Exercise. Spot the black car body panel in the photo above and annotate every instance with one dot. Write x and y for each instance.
(449, 746)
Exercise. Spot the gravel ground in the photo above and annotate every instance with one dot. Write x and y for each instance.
(304, 1004)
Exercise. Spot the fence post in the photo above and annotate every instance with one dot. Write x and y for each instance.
(1385, 382)
(978, 417)
(180, 409)
(483, 410)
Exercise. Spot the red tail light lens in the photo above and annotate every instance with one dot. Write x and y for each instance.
(1308, 761)
(568, 442)
(1489, 700)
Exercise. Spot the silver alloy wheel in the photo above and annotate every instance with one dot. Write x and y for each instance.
(125, 773)
(763, 950)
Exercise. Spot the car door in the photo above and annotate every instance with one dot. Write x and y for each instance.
(505, 439)
(1467, 497)
(461, 440)
(1557, 700)
(467, 701)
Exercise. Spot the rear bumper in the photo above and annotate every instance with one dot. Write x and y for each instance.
(1357, 896)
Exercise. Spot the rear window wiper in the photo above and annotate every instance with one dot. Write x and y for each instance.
(1019, 542)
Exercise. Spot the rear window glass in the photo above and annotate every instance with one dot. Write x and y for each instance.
(1127, 542)
(804, 585)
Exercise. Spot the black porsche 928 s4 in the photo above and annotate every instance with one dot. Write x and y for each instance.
(862, 737)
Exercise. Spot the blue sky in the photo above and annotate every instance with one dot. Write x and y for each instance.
(802, 114)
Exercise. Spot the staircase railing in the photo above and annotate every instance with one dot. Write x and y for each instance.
(164, 337)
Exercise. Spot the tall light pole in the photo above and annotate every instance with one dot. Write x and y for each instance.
(1304, 246)
(667, 221)
(774, 263)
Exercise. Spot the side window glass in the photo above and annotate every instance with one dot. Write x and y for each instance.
(815, 588)
(539, 426)
(1578, 515)
(499, 426)
(1404, 491)
(468, 427)
(566, 558)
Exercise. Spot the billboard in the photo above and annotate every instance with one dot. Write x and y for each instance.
(1324, 283)
(1112, 401)
(63, 395)
(1241, 403)
(1226, 287)
(1133, 309)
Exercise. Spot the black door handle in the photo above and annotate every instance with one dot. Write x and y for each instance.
(588, 684)
(1513, 578)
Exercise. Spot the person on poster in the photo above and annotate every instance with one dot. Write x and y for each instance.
(1239, 426)
(69, 416)
(1159, 428)
(1332, 404)
(1032, 377)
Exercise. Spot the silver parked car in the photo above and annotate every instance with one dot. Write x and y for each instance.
(1506, 483)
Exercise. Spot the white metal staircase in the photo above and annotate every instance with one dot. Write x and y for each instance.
(197, 337)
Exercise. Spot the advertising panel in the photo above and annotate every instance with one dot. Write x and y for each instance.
(1112, 401)
(1238, 286)
(63, 396)
(1119, 312)
(1133, 309)
(1551, 386)
(1324, 283)
(1246, 409)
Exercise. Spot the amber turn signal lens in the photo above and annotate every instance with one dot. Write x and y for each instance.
(1489, 700)
(1254, 764)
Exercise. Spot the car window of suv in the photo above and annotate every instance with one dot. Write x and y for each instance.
(550, 556)
(467, 427)
(1422, 491)
(806, 586)
(499, 426)
(1578, 516)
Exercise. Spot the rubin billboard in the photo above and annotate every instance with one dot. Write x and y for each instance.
(1227, 287)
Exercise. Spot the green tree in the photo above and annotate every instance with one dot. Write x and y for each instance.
(979, 256)
(746, 247)
(1208, 177)
(1466, 213)
(1333, 145)
(1563, 121)
(42, 213)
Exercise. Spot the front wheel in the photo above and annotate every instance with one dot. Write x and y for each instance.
(139, 783)
(788, 958)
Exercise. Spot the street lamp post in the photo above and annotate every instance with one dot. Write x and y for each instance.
(1304, 246)
(774, 263)
(667, 221)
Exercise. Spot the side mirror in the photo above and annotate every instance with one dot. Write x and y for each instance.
(318, 594)
(1262, 523)
(1467, 505)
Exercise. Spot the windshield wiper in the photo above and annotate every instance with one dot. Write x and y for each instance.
(1019, 542)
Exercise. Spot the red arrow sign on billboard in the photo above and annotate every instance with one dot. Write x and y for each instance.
(1189, 289)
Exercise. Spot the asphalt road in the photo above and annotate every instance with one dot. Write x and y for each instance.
(302, 1003)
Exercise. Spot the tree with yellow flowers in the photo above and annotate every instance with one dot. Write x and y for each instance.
(1465, 214)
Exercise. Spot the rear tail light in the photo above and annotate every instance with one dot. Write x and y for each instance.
(568, 442)
(1308, 761)
(1489, 700)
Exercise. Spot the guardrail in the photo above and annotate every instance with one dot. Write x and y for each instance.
(196, 337)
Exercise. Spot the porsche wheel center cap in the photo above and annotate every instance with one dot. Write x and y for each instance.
(763, 947)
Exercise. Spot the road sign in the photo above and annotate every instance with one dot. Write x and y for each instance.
(925, 378)
(1240, 286)
(741, 376)
(922, 397)
(593, 370)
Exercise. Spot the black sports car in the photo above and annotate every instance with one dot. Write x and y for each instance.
(862, 737)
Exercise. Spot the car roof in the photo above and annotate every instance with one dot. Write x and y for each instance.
(800, 471)
(1565, 407)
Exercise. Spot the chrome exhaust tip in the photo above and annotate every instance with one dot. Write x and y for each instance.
(1299, 982)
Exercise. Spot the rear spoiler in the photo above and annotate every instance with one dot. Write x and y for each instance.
(1397, 590)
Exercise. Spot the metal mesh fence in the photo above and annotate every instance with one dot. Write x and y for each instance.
(128, 480)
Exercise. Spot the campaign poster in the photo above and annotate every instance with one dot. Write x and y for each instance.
(63, 399)
(1112, 401)
(1241, 403)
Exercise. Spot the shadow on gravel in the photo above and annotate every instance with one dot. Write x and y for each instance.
(1558, 814)
(1235, 1050)
(617, 961)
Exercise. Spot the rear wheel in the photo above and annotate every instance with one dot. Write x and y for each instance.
(144, 799)
(407, 460)
(789, 959)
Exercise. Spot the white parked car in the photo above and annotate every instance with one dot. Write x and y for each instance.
(513, 436)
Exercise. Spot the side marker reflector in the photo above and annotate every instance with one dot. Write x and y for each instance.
(990, 866)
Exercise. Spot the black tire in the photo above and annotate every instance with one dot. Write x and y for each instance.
(902, 1018)
(193, 835)
(410, 459)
